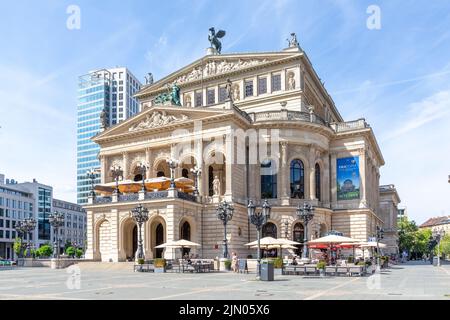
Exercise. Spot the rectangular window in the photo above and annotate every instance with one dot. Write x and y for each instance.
(262, 85)
(248, 87)
(211, 96)
(276, 82)
(198, 99)
(7, 234)
(1, 233)
(222, 94)
(1, 223)
(7, 224)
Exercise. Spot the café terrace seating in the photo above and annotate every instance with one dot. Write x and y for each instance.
(311, 269)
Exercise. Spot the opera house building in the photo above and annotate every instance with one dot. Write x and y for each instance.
(236, 127)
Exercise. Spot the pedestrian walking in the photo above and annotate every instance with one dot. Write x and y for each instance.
(234, 262)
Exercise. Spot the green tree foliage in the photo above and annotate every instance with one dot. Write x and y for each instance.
(445, 245)
(412, 239)
(70, 251)
(79, 253)
(45, 251)
(17, 247)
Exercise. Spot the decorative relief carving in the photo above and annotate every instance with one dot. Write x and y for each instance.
(291, 81)
(217, 67)
(157, 119)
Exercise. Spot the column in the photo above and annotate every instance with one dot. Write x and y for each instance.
(284, 171)
(363, 177)
(171, 231)
(312, 177)
(103, 169)
(229, 161)
(333, 181)
(326, 181)
(148, 159)
(200, 165)
(125, 165)
(90, 250)
(114, 234)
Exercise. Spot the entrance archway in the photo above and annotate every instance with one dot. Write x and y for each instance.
(186, 235)
(159, 239)
(269, 230)
(129, 240)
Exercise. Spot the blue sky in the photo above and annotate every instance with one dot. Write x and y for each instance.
(396, 77)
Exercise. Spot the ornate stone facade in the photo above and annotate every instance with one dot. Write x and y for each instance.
(272, 139)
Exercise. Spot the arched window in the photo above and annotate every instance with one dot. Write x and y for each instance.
(184, 173)
(317, 177)
(186, 231)
(138, 177)
(269, 230)
(160, 174)
(297, 179)
(268, 180)
(298, 234)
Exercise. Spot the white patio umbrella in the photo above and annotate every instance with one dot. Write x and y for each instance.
(332, 238)
(273, 243)
(373, 244)
(169, 244)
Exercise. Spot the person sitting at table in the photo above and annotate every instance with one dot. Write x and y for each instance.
(294, 261)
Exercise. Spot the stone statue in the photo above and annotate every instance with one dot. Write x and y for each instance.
(291, 81)
(214, 37)
(187, 101)
(103, 119)
(216, 186)
(149, 78)
(236, 93)
(228, 89)
(293, 40)
(175, 95)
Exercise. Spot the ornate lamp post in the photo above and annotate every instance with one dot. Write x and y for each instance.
(286, 228)
(196, 172)
(438, 234)
(379, 236)
(56, 221)
(116, 172)
(29, 225)
(20, 229)
(140, 215)
(172, 163)
(143, 168)
(225, 213)
(92, 174)
(305, 215)
(259, 219)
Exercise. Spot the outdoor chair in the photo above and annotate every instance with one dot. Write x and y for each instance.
(330, 270)
(310, 269)
(342, 270)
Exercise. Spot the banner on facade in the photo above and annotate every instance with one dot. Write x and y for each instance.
(347, 178)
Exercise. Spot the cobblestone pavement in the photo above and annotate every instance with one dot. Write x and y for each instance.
(413, 280)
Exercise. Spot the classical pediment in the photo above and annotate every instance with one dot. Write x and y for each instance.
(160, 118)
(215, 66)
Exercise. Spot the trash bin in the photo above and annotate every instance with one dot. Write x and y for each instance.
(267, 272)
(435, 261)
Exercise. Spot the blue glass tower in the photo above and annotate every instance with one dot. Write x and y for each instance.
(110, 90)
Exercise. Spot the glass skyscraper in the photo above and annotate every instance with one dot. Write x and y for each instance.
(110, 90)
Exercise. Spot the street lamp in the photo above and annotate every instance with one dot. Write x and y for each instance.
(225, 213)
(91, 175)
(172, 163)
(140, 215)
(20, 229)
(305, 214)
(259, 219)
(196, 172)
(438, 234)
(29, 225)
(116, 172)
(286, 228)
(379, 236)
(143, 167)
(56, 221)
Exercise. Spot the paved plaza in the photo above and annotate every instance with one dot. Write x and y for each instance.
(414, 280)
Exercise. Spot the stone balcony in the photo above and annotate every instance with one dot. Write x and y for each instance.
(286, 115)
(140, 196)
(349, 125)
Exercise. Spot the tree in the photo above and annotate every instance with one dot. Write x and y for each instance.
(79, 253)
(406, 234)
(70, 251)
(445, 245)
(18, 246)
(45, 251)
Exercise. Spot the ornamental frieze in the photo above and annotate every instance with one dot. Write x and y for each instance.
(218, 67)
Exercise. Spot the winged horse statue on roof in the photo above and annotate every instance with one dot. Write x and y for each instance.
(214, 37)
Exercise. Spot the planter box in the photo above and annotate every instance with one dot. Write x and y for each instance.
(267, 272)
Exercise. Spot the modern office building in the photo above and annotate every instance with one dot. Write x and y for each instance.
(74, 230)
(35, 200)
(105, 98)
